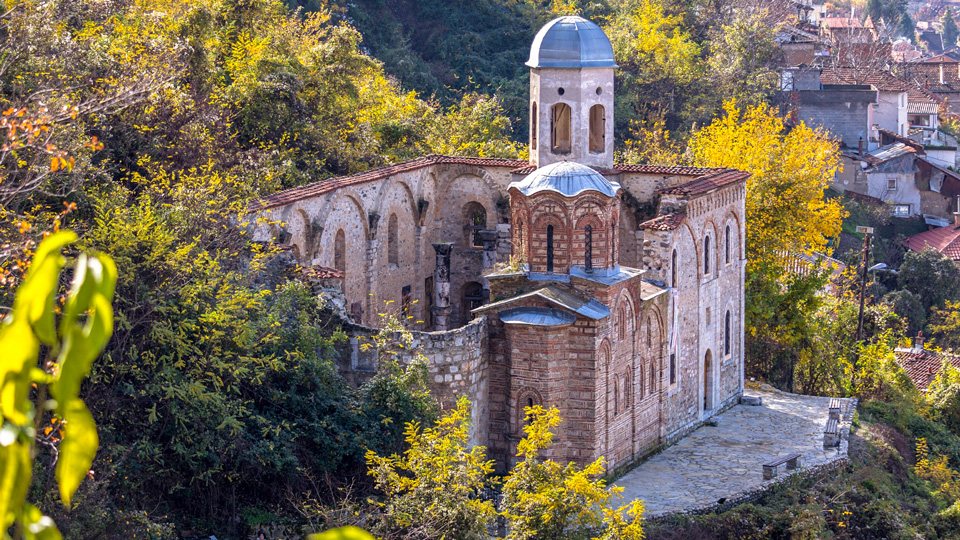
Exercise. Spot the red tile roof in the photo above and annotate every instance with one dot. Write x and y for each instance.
(922, 365)
(527, 169)
(946, 240)
(666, 222)
(882, 80)
(840, 22)
(530, 168)
(671, 170)
(707, 177)
(321, 187)
(708, 182)
(321, 272)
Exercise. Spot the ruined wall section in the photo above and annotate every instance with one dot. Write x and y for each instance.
(457, 363)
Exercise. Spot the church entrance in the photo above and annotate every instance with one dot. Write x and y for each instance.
(708, 381)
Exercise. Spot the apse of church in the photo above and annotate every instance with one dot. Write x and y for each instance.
(613, 292)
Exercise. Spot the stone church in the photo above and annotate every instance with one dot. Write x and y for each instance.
(613, 292)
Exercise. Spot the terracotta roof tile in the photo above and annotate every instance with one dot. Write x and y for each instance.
(666, 222)
(321, 272)
(530, 168)
(672, 170)
(946, 240)
(709, 182)
(922, 365)
(321, 187)
(882, 80)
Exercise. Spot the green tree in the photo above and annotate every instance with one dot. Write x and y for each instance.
(743, 59)
(658, 58)
(931, 276)
(944, 325)
(71, 343)
(949, 28)
(909, 307)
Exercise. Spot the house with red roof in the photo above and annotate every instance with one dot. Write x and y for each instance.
(945, 240)
(922, 365)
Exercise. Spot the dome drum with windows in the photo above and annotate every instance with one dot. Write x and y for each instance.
(565, 216)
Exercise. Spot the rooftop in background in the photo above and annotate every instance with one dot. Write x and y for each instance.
(922, 365)
(840, 22)
(881, 80)
(946, 240)
(571, 42)
(566, 178)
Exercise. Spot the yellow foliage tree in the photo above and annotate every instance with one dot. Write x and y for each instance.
(544, 499)
(790, 171)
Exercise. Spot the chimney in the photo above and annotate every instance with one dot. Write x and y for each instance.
(860, 146)
(956, 215)
(918, 341)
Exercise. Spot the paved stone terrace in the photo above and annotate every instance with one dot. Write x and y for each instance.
(727, 460)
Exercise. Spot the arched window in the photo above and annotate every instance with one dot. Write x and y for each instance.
(549, 248)
(613, 245)
(673, 369)
(673, 270)
(652, 388)
(706, 255)
(616, 395)
(519, 241)
(471, 297)
(726, 247)
(726, 334)
(649, 334)
(474, 221)
(393, 254)
(622, 323)
(627, 390)
(533, 126)
(640, 380)
(340, 251)
(588, 247)
(598, 125)
(560, 129)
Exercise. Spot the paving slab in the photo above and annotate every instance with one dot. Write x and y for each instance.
(727, 460)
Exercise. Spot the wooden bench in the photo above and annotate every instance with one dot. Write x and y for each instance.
(831, 433)
(770, 470)
(835, 409)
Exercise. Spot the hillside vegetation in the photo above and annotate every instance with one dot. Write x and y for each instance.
(147, 126)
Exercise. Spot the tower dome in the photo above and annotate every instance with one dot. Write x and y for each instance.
(566, 178)
(571, 42)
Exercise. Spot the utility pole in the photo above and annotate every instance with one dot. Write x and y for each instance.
(867, 232)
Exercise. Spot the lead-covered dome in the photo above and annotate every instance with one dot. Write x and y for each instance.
(571, 42)
(566, 178)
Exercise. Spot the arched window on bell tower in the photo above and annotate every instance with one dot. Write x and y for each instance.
(598, 128)
(560, 135)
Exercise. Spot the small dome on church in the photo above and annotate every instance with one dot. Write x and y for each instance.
(566, 178)
(571, 42)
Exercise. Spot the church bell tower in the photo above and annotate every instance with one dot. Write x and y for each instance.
(571, 94)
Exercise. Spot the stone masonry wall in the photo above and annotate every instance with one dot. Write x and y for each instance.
(457, 363)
